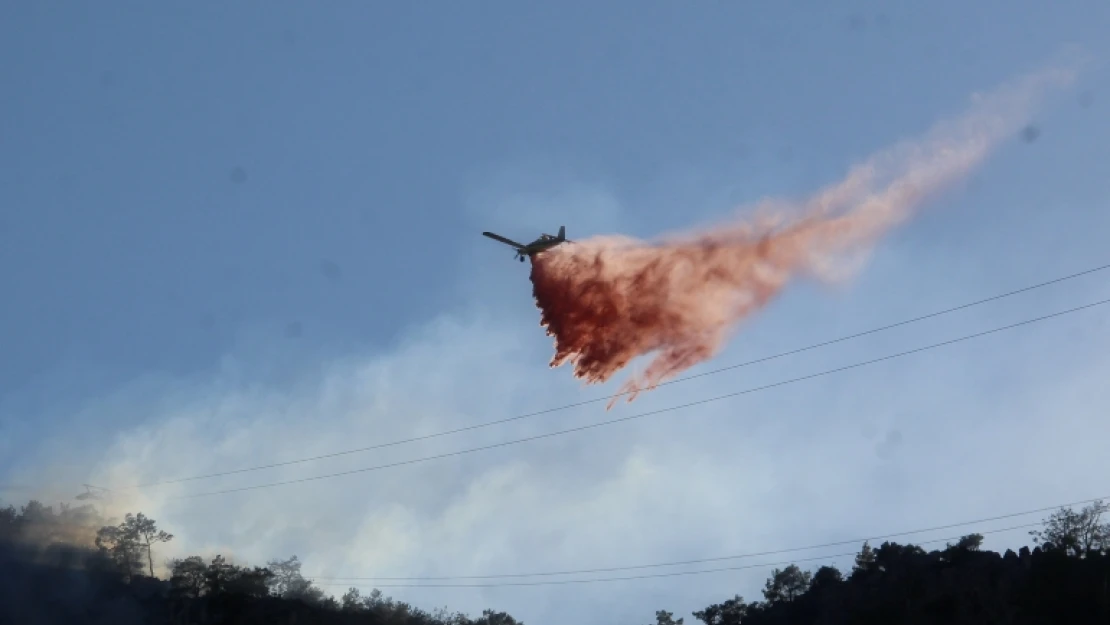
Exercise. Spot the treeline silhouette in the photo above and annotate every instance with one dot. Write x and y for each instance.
(71, 567)
(1065, 578)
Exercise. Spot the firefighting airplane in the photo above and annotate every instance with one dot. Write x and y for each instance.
(546, 241)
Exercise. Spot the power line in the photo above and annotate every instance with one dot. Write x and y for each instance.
(562, 582)
(645, 414)
(600, 399)
(839, 543)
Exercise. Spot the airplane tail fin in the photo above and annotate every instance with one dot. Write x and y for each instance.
(562, 233)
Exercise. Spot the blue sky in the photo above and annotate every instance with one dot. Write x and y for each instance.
(250, 231)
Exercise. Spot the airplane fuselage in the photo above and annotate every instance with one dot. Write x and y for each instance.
(545, 242)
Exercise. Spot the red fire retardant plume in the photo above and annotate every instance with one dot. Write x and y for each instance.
(608, 300)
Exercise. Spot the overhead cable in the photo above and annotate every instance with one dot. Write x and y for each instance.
(562, 582)
(486, 424)
(645, 414)
(839, 543)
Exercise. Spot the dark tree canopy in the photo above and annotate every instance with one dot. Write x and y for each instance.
(1077, 533)
(1064, 579)
(47, 579)
(663, 617)
(47, 576)
(787, 585)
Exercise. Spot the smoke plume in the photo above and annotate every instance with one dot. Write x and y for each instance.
(607, 300)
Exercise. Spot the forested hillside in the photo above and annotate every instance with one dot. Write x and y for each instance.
(70, 567)
(1064, 578)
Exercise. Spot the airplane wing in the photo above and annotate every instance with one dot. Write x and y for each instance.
(497, 237)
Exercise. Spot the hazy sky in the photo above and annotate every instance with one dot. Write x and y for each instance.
(239, 234)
